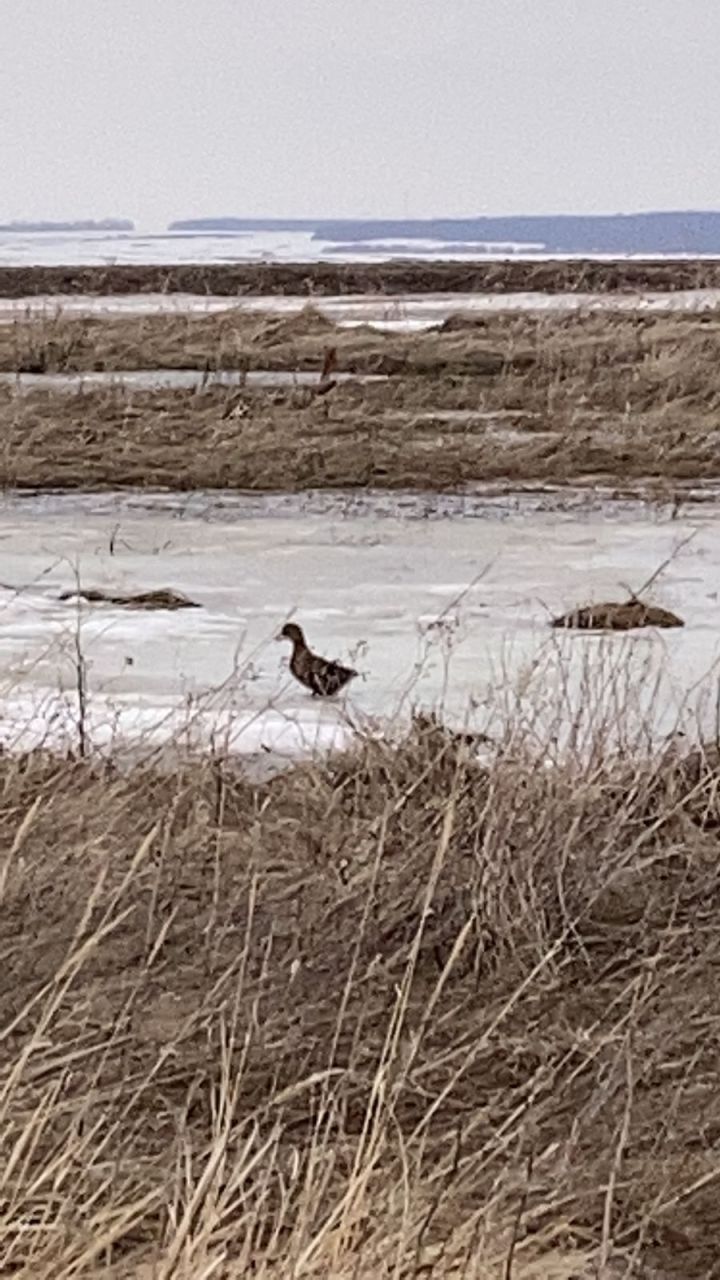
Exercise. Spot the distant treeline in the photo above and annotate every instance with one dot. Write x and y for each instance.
(84, 224)
(638, 233)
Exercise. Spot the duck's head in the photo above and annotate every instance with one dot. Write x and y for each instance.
(292, 632)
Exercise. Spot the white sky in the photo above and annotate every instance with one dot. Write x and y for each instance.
(155, 109)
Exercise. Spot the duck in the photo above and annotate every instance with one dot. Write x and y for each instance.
(326, 382)
(321, 676)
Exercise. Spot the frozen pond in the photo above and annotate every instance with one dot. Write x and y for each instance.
(404, 313)
(437, 602)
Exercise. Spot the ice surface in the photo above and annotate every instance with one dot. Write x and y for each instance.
(443, 605)
(65, 248)
(406, 313)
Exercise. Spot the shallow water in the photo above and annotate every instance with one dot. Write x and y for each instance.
(445, 604)
(403, 313)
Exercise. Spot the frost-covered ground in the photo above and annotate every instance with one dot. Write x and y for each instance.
(438, 603)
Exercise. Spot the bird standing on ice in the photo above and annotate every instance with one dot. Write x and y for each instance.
(321, 676)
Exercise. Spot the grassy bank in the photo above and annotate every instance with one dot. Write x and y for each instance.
(399, 276)
(516, 398)
(374, 1017)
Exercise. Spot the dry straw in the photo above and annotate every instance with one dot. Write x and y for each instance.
(400, 1011)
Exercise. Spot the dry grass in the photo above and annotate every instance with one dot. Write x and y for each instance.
(241, 341)
(373, 1018)
(633, 356)
(321, 278)
(515, 398)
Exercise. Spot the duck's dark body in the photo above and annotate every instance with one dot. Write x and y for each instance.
(327, 383)
(321, 676)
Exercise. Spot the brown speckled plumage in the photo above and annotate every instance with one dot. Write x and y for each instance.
(321, 676)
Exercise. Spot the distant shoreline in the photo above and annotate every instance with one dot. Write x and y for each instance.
(676, 231)
(82, 226)
(407, 276)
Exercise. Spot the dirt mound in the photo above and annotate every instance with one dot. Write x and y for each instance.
(611, 616)
(162, 598)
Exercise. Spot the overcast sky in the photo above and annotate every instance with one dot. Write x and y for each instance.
(155, 109)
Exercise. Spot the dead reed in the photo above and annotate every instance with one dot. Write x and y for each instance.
(397, 1012)
(515, 398)
(322, 278)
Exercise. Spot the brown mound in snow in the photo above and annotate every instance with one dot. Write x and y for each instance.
(163, 598)
(617, 617)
